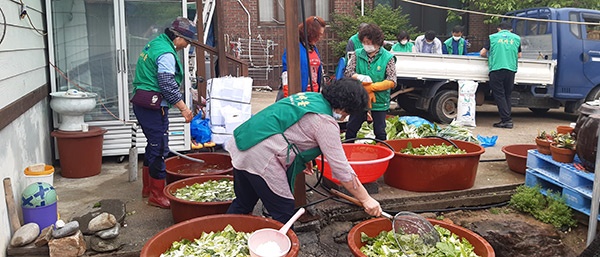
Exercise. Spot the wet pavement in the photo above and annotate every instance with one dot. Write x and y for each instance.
(324, 236)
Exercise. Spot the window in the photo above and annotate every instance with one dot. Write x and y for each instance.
(574, 27)
(272, 11)
(592, 31)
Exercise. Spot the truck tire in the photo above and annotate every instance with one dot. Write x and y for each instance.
(539, 110)
(407, 103)
(444, 106)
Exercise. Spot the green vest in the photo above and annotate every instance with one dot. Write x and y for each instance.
(278, 117)
(375, 70)
(397, 47)
(461, 46)
(356, 42)
(146, 69)
(504, 51)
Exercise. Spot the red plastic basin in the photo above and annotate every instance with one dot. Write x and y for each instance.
(373, 227)
(184, 210)
(516, 156)
(192, 229)
(368, 161)
(214, 164)
(421, 173)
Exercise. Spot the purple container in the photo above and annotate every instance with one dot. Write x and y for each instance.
(44, 216)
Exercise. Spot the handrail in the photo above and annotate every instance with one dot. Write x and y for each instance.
(237, 67)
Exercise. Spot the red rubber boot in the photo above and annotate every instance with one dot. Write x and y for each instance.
(145, 181)
(157, 197)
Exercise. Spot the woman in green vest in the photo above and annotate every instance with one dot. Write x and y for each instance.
(279, 142)
(404, 45)
(376, 68)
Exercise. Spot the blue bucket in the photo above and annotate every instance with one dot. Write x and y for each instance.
(44, 216)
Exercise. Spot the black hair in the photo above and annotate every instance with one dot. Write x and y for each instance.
(505, 25)
(457, 28)
(170, 34)
(402, 35)
(373, 33)
(430, 35)
(347, 94)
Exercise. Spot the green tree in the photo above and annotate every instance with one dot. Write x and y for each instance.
(502, 7)
(391, 21)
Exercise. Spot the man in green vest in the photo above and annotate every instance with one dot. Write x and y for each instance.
(158, 76)
(503, 52)
(376, 68)
(456, 45)
(279, 142)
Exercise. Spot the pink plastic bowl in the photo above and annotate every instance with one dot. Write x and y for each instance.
(368, 161)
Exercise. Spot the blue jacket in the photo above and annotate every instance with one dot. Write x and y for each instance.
(304, 69)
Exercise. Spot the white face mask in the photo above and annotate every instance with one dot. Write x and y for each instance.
(456, 38)
(337, 116)
(404, 42)
(369, 48)
(429, 43)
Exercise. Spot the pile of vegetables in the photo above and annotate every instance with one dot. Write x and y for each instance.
(442, 149)
(398, 129)
(384, 244)
(209, 191)
(226, 243)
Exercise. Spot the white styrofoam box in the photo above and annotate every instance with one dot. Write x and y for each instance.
(220, 135)
(215, 106)
(230, 88)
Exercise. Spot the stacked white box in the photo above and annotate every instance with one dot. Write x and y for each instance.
(228, 105)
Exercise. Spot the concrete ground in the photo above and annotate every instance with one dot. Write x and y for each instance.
(494, 182)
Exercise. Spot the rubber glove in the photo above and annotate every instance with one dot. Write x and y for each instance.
(363, 78)
(380, 86)
(368, 88)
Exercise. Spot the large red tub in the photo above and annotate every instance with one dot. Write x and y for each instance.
(184, 210)
(373, 227)
(432, 173)
(214, 164)
(368, 161)
(192, 229)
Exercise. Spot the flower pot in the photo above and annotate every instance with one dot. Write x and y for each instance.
(564, 129)
(543, 146)
(562, 154)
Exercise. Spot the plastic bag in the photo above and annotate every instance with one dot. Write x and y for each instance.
(415, 120)
(200, 129)
(487, 141)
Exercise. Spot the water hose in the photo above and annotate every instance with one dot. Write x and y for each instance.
(186, 157)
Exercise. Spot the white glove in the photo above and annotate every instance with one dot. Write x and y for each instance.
(363, 78)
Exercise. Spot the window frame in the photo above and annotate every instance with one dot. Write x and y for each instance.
(278, 16)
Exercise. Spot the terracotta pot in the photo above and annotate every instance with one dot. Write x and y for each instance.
(564, 129)
(516, 157)
(192, 229)
(373, 227)
(214, 164)
(184, 210)
(562, 154)
(421, 173)
(543, 146)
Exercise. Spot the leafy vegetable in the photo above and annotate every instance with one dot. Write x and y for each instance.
(384, 244)
(226, 243)
(442, 149)
(209, 191)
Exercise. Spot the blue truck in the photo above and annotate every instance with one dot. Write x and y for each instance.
(560, 67)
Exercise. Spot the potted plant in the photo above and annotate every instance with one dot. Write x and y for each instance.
(563, 148)
(543, 141)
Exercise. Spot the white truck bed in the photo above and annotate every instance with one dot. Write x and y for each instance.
(454, 67)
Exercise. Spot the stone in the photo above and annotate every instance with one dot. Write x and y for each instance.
(25, 234)
(70, 246)
(101, 222)
(67, 230)
(59, 224)
(115, 207)
(109, 233)
(44, 236)
(100, 245)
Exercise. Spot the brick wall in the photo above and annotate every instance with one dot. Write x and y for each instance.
(478, 32)
(236, 21)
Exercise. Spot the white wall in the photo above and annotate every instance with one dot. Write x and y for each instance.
(23, 62)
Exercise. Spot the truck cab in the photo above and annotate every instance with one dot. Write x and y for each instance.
(575, 46)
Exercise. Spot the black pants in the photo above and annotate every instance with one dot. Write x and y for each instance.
(356, 120)
(502, 83)
(249, 188)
